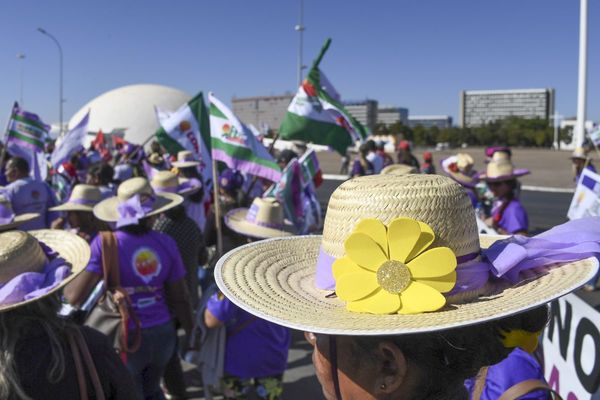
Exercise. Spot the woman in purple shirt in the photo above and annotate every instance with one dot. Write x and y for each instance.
(508, 214)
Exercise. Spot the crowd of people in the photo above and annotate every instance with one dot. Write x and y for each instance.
(141, 231)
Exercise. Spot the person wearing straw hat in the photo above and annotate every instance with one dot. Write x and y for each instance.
(256, 350)
(151, 272)
(460, 168)
(399, 169)
(399, 298)
(40, 353)
(581, 160)
(187, 167)
(362, 166)
(8, 219)
(508, 214)
(427, 167)
(80, 218)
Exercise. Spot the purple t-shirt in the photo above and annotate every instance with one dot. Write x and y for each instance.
(514, 218)
(519, 366)
(258, 350)
(146, 263)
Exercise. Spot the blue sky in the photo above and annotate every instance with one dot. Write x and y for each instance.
(417, 54)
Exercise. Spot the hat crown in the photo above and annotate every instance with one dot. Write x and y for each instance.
(464, 161)
(19, 253)
(185, 155)
(266, 211)
(433, 199)
(86, 192)
(133, 186)
(496, 169)
(164, 179)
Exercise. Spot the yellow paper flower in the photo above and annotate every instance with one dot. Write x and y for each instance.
(389, 270)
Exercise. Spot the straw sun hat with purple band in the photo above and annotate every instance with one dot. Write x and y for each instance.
(264, 219)
(185, 159)
(460, 168)
(82, 198)
(399, 255)
(8, 219)
(36, 264)
(168, 182)
(502, 170)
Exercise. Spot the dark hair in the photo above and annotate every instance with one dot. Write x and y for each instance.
(141, 228)
(103, 172)
(447, 358)
(176, 213)
(20, 164)
(155, 147)
(371, 146)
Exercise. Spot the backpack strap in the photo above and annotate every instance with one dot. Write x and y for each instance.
(480, 383)
(110, 260)
(522, 388)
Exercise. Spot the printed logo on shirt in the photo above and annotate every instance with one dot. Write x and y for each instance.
(35, 194)
(146, 264)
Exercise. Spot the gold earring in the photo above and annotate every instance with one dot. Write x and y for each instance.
(382, 387)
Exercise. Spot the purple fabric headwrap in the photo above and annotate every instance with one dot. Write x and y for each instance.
(30, 285)
(6, 215)
(230, 180)
(509, 258)
(133, 209)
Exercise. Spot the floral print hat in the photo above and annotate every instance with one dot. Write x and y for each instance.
(399, 255)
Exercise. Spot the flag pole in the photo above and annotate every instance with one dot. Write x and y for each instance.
(5, 138)
(321, 53)
(255, 178)
(217, 209)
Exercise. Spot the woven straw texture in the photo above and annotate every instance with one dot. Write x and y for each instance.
(71, 247)
(436, 200)
(274, 279)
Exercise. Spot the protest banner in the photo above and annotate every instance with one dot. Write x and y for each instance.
(571, 344)
(586, 200)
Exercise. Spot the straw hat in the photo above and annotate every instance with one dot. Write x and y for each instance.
(8, 217)
(498, 171)
(274, 279)
(168, 182)
(107, 210)
(580, 153)
(82, 198)
(460, 168)
(21, 253)
(185, 159)
(399, 169)
(155, 159)
(264, 219)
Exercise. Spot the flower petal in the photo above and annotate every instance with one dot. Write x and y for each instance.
(380, 302)
(425, 239)
(419, 297)
(364, 251)
(343, 266)
(403, 234)
(442, 284)
(433, 263)
(355, 285)
(376, 230)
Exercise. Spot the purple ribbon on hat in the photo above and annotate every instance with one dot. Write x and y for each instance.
(6, 215)
(29, 285)
(134, 209)
(251, 217)
(85, 202)
(509, 259)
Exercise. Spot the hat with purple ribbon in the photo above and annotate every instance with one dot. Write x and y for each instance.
(264, 219)
(168, 182)
(8, 219)
(460, 168)
(400, 255)
(135, 200)
(185, 159)
(83, 198)
(36, 264)
(502, 170)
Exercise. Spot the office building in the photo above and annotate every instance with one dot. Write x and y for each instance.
(365, 112)
(479, 107)
(264, 112)
(428, 121)
(388, 115)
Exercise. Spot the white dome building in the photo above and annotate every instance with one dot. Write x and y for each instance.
(130, 108)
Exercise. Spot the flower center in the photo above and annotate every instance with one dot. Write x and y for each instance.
(393, 276)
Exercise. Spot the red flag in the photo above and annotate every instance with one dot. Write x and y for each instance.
(101, 147)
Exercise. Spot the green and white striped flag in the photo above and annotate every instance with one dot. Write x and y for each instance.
(317, 115)
(188, 128)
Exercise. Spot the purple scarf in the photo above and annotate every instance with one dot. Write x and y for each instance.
(133, 209)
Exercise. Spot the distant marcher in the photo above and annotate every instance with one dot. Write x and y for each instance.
(44, 356)
(505, 153)
(581, 160)
(427, 166)
(405, 156)
(387, 159)
(188, 167)
(362, 166)
(508, 214)
(101, 175)
(345, 164)
(374, 158)
(285, 156)
(28, 195)
(122, 172)
(460, 168)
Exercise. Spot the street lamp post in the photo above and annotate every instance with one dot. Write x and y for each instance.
(60, 99)
(300, 29)
(582, 86)
(21, 57)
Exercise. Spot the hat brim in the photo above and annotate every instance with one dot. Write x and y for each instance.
(106, 210)
(274, 280)
(69, 246)
(185, 164)
(72, 207)
(516, 173)
(237, 222)
(18, 220)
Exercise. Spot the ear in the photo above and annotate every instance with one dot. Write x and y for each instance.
(393, 369)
